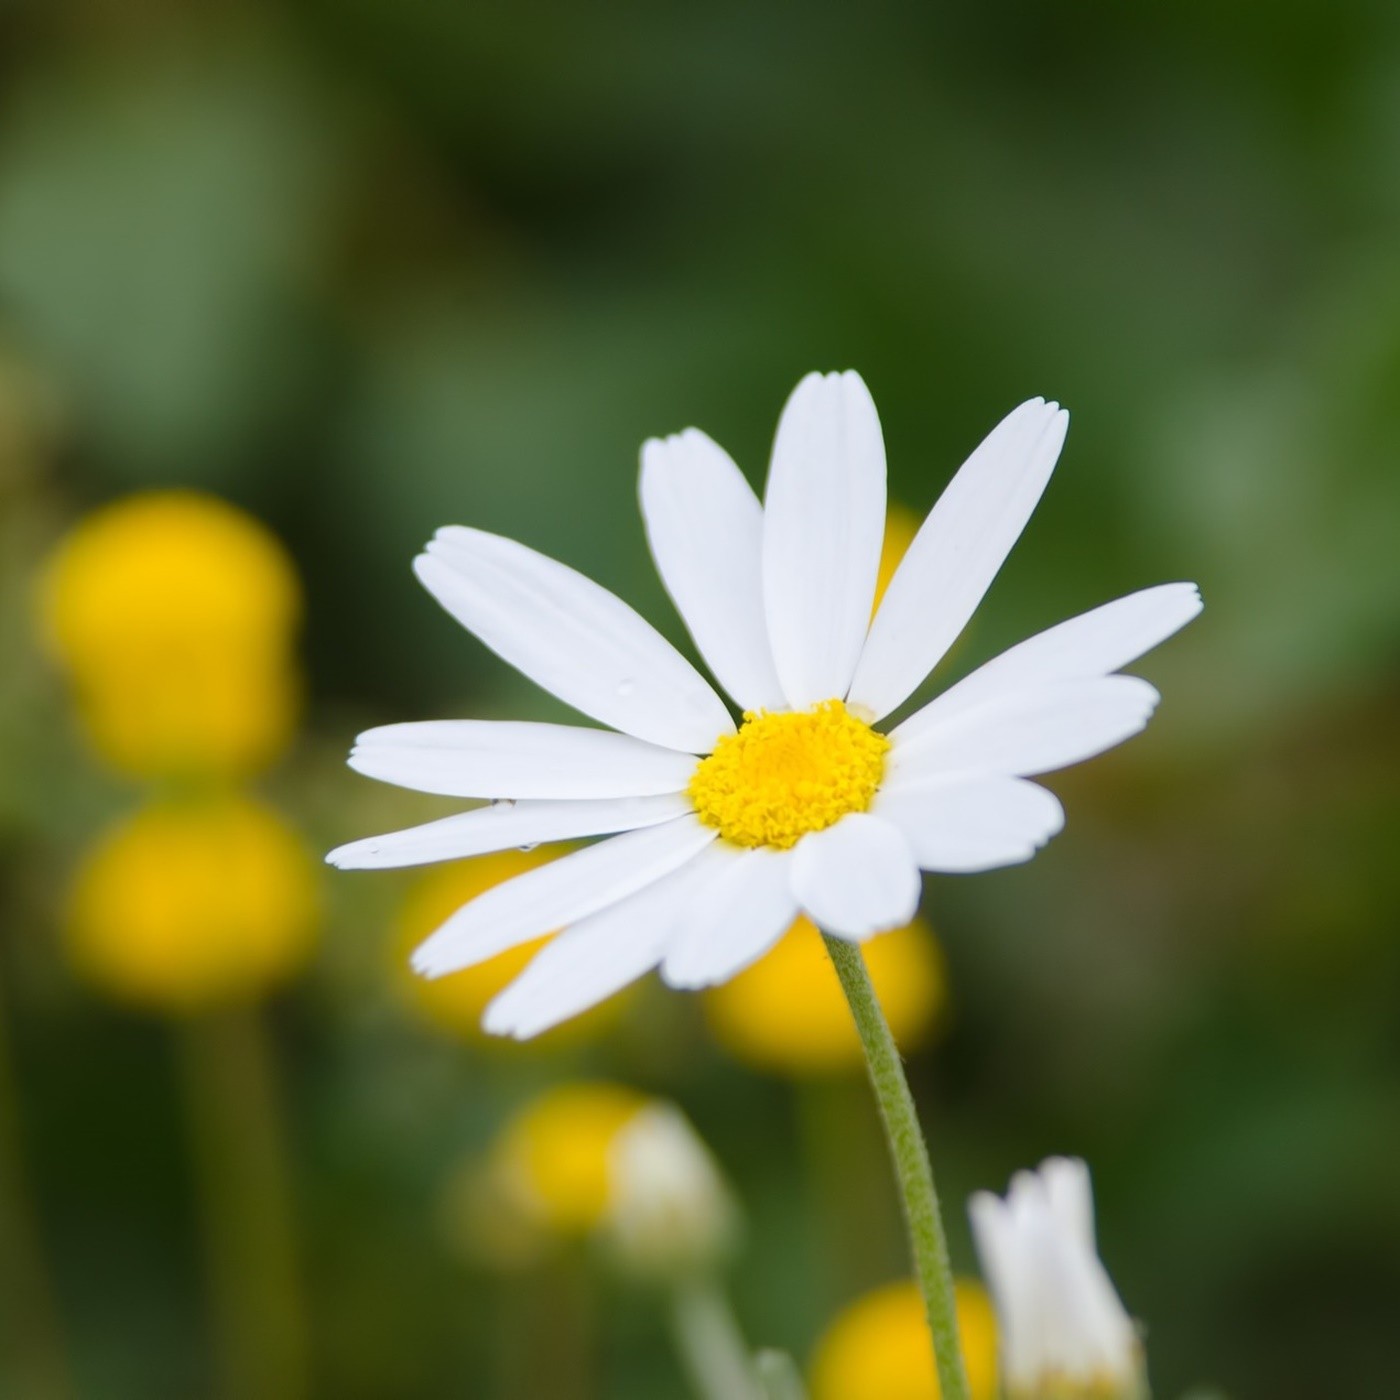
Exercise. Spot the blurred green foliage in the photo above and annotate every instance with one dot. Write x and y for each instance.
(368, 268)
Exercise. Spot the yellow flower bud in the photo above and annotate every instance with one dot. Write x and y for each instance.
(174, 615)
(185, 905)
(455, 1003)
(555, 1155)
(901, 525)
(787, 1014)
(878, 1348)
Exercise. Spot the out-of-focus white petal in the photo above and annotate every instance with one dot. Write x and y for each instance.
(592, 959)
(503, 825)
(1027, 732)
(572, 637)
(823, 525)
(957, 553)
(857, 877)
(558, 894)
(1009, 1265)
(734, 917)
(705, 528)
(1071, 1198)
(1059, 1320)
(968, 822)
(1090, 645)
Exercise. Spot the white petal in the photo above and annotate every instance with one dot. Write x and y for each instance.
(1035, 731)
(823, 525)
(957, 553)
(508, 758)
(1070, 1195)
(503, 825)
(572, 637)
(970, 821)
(1092, 644)
(740, 912)
(560, 893)
(1058, 1315)
(1005, 1253)
(705, 528)
(856, 878)
(593, 959)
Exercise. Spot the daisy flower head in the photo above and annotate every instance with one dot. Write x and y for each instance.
(723, 830)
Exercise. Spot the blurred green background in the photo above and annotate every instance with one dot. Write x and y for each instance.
(367, 268)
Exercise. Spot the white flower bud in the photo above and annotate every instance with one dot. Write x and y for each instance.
(1064, 1332)
(670, 1213)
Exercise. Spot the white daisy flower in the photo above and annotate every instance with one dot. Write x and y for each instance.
(728, 832)
(1064, 1333)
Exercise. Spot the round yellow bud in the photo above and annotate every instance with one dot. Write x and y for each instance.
(901, 525)
(186, 905)
(455, 1003)
(787, 1013)
(879, 1349)
(555, 1156)
(174, 614)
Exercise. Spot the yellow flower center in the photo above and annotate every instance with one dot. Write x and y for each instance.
(783, 775)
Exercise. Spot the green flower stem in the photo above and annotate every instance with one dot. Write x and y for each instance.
(241, 1172)
(778, 1373)
(30, 1335)
(927, 1242)
(711, 1346)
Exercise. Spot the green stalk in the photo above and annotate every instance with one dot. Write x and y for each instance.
(242, 1175)
(31, 1339)
(779, 1376)
(710, 1343)
(927, 1242)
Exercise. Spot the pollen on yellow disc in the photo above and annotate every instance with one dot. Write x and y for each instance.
(555, 1154)
(787, 774)
(190, 904)
(901, 525)
(879, 1349)
(455, 1003)
(174, 614)
(787, 1014)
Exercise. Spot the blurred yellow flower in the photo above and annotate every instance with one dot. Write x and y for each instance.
(787, 1012)
(455, 1003)
(901, 525)
(555, 1156)
(878, 1348)
(174, 614)
(189, 904)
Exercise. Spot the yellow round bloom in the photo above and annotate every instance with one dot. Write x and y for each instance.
(455, 1003)
(901, 525)
(185, 905)
(174, 613)
(555, 1156)
(787, 1012)
(878, 1348)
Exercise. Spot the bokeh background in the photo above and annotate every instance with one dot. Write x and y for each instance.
(365, 268)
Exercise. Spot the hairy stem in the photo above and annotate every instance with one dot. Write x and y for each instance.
(927, 1242)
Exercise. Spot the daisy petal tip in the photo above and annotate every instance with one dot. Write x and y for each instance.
(427, 963)
(494, 1023)
(680, 977)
